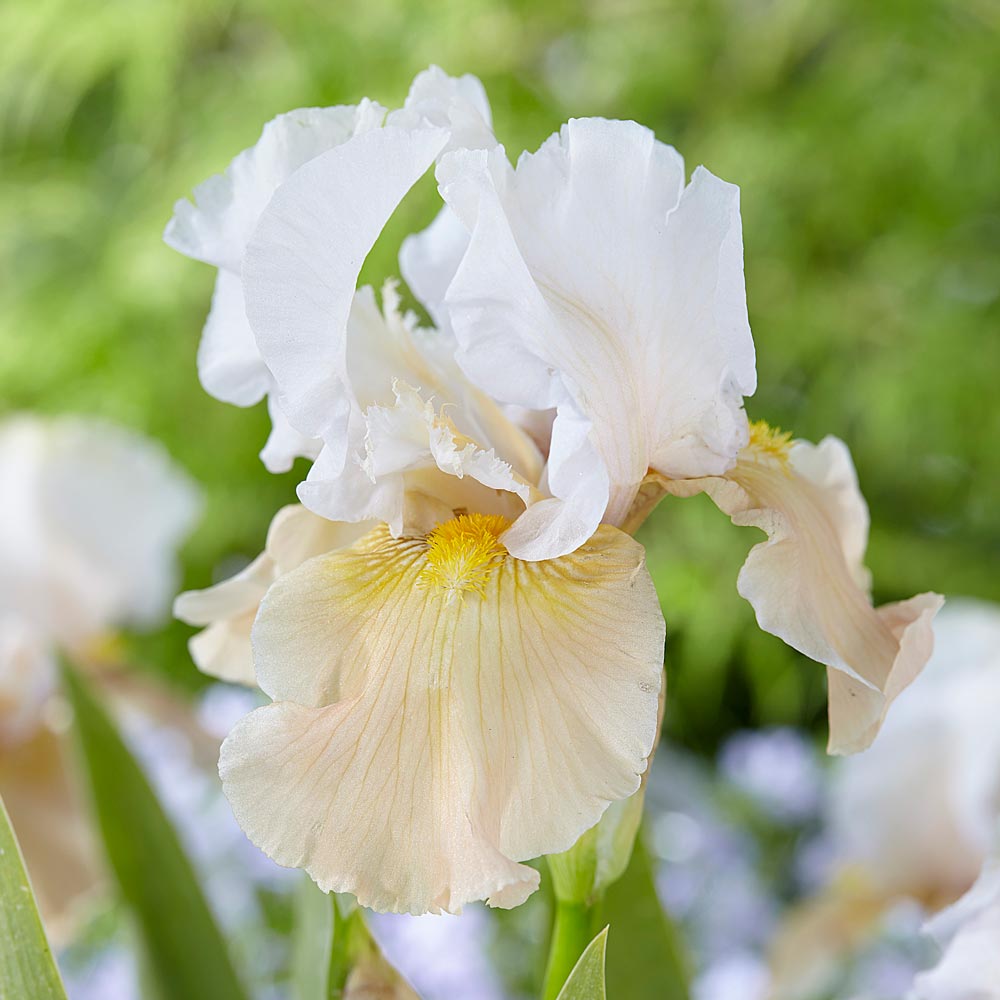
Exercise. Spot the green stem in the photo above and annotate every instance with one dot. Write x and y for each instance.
(571, 933)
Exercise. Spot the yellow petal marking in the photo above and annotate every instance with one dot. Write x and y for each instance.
(462, 554)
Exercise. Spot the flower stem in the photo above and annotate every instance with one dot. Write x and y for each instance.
(571, 933)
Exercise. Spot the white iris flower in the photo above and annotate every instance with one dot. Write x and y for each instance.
(469, 676)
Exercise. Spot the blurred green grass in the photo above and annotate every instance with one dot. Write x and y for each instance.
(865, 138)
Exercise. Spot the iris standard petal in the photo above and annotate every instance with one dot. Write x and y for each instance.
(216, 227)
(592, 267)
(303, 262)
(424, 740)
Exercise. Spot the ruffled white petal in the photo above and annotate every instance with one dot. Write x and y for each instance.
(216, 229)
(418, 749)
(302, 266)
(217, 226)
(591, 281)
(459, 104)
(576, 474)
(808, 587)
(394, 437)
(410, 447)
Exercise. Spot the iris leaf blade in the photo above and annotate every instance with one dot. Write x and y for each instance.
(586, 981)
(27, 968)
(186, 951)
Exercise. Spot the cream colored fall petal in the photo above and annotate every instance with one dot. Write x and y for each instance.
(227, 610)
(420, 747)
(807, 583)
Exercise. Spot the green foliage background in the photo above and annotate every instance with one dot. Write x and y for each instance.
(865, 138)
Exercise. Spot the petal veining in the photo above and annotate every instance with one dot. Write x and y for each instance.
(419, 747)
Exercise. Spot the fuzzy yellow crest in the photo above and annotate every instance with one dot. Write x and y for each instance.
(462, 554)
(768, 442)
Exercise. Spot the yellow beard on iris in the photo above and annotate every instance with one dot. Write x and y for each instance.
(768, 442)
(462, 554)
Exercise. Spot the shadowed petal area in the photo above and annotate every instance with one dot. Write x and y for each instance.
(807, 583)
(421, 746)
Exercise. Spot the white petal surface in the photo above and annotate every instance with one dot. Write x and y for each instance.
(229, 365)
(302, 265)
(592, 280)
(285, 444)
(808, 587)
(419, 749)
(429, 259)
(217, 226)
(459, 104)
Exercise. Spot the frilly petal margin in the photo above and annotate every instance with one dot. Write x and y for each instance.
(418, 749)
(807, 585)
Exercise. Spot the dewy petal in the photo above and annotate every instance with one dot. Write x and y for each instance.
(806, 582)
(419, 748)
(302, 265)
(594, 279)
(228, 609)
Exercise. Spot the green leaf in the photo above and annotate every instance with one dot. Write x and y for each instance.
(27, 968)
(312, 941)
(330, 939)
(646, 959)
(187, 953)
(586, 981)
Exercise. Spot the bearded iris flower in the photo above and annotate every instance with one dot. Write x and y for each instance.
(470, 682)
